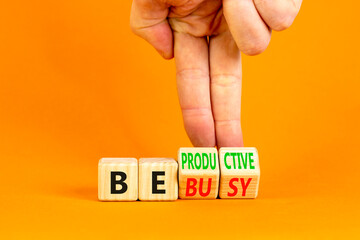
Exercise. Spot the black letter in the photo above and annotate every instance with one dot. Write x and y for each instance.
(155, 182)
(121, 182)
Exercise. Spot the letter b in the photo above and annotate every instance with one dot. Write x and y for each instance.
(114, 182)
(191, 184)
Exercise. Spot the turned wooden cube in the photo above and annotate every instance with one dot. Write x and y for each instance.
(198, 173)
(118, 179)
(240, 172)
(158, 179)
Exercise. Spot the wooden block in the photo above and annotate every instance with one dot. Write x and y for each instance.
(118, 179)
(240, 172)
(158, 179)
(198, 173)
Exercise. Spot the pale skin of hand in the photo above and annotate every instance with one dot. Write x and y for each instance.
(206, 38)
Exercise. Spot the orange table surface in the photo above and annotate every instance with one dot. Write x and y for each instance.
(76, 85)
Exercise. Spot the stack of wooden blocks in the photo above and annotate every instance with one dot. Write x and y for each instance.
(196, 175)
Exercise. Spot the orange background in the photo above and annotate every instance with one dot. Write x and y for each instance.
(76, 85)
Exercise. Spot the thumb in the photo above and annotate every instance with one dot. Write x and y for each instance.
(148, 20)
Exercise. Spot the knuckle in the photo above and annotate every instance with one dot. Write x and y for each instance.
(278, 15)
(260, 3)
(226, 80)
(133, 27)
(255, 48)
(196, 112)
(284, 17)
(282, 22)
(232, 123)
(192, 73)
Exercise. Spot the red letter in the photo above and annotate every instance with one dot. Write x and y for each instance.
(231, 185)
(190, 186)
(244, 186)
(208, 189)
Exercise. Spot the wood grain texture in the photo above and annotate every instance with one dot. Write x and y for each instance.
(198, 173)
(129, 166)
(239, 172)
(158, 179)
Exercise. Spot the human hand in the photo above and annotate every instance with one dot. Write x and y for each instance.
(206, 38)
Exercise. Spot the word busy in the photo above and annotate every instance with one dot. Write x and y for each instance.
(199, 173)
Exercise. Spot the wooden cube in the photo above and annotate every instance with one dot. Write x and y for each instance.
(118, 179)
(240, 172)
(198, 173)
(158, 179)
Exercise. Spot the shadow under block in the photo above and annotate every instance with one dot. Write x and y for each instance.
(158, 179)
(198, 173)
(240, 172)
(118, 179)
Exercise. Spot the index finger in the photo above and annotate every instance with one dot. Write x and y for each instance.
(192, 66)
(226, 76)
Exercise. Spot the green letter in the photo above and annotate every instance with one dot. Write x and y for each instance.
(199, 157)
(183, 159)
(225, 156)
(190, 160)
(244, 162)
(207, 160)
(239, 163)
(213, 167)
(251, 161)
(233, 155)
